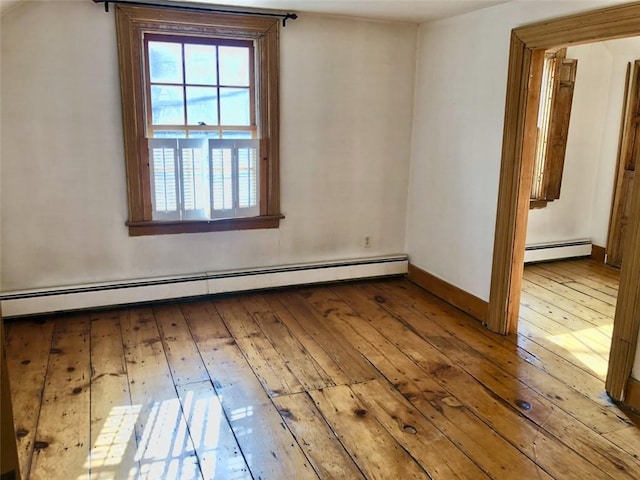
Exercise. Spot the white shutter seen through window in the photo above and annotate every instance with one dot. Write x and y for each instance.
(163, 156)
(199, 178)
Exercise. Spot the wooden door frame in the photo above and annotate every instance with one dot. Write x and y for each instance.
(627, 128)
(515, 185)
(622, 146)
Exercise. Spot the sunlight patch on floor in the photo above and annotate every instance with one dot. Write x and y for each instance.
(111, 445)
(205, 417)
(580, 344)
(165, 448)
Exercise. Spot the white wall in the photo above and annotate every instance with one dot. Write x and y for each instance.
(457, 135)
(457, 140)
(584, 206)
(570, 217)
(622, 51)
(347, 100)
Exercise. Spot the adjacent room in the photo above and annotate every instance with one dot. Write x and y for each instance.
(287, 239)
(581, 210)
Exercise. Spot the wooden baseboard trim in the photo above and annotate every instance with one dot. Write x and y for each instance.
(632, 394)
(468, 303)
(597, 253)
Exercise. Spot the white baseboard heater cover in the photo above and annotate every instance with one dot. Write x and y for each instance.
(32, 302)
(557, 250)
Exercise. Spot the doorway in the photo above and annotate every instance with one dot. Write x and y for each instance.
(568, 304)
(516, 179)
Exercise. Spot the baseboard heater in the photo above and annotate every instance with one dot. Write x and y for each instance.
(30, 302)
(557, 250)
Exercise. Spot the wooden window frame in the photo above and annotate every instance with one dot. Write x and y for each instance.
(515, 185)
(132, 23)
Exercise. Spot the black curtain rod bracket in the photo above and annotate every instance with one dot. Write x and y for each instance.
(202, 9)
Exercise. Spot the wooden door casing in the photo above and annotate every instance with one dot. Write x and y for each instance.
(626, 172)
(512, 211)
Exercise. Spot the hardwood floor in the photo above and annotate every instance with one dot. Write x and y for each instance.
(569, 306)
(375, 380)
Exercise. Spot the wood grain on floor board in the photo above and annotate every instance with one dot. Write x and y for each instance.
(362, 380)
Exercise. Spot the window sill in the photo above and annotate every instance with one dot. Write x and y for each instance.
(533, 204)
(137, 229)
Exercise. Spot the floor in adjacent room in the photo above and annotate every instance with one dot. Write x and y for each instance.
(373, 379)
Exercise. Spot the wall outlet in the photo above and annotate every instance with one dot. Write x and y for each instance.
(366, 241)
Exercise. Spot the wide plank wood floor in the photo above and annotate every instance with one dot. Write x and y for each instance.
(375, 380)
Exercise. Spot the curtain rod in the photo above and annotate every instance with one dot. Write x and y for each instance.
(196, 8)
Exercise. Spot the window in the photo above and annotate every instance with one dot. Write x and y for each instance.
(200, 112)
(199, 97)
(556, 94)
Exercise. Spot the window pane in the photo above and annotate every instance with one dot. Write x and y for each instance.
(202, 106)
(167, 105)
(234, 106)
(236, 134)
(169, 134)
(204, 134)
(200, 64)
(234, 66)
(165, 62)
